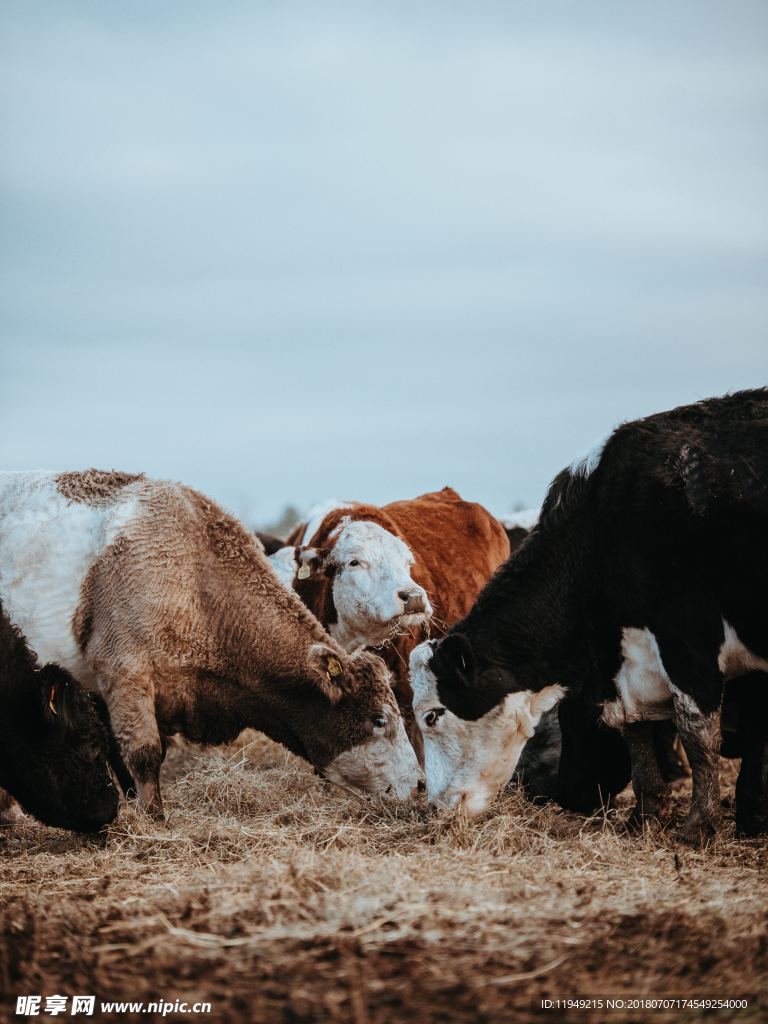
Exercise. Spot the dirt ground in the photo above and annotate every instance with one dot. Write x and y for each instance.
(278, 899)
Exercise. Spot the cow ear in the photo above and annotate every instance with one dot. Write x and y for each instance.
(54, 694)
(311, 561)
(454, 655)
(453, 664)
(327, 671)
(459, 684)
(545, 700)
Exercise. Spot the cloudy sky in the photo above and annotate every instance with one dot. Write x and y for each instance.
(285, 251)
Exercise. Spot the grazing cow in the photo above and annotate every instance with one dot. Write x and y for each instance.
(639, 591)
(373, 574)
(150, 592)
(53, 745)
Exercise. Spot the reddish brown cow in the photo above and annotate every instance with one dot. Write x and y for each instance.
(389, 575)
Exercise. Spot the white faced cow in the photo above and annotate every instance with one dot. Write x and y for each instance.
(380, 573)
(361, 566)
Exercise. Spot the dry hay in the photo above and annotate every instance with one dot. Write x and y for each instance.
(277, 898)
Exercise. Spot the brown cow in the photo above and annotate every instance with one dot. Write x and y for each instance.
(152, 593)
(388, 575)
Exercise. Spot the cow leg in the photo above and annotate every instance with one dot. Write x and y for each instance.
(650, 789)
(594, 762)
(700, 733)
(744, 726)
(671, 764)
(751, 804)
(752, 783)
(132, 713)
(689, 648)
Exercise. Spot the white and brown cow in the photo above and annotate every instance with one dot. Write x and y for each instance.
(153, 594)
(393, 572)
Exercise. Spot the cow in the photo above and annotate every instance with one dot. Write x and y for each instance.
(149, 592)
(385, 575)
(639, 591)
(54, 747)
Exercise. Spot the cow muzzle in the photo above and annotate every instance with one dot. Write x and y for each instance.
(414, 602)
(471, 803)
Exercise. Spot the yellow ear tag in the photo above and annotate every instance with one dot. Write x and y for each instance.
(50, 700)
(334, 668)
(304, 571)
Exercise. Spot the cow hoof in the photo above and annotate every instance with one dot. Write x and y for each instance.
(697, 830)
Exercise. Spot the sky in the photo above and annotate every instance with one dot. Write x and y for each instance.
(290, 251)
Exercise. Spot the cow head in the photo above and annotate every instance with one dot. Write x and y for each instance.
(57, 757)
(373, 590)
(353, 731)
(468, 762)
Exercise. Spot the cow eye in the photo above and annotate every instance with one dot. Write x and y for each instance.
(432, 716)
(379, 721)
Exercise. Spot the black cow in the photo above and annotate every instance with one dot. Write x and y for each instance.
(54, 744)
(640, 589)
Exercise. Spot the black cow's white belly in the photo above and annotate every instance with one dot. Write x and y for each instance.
(643, 688)
(642, 685)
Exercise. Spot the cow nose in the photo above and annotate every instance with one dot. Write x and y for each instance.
(413, 601)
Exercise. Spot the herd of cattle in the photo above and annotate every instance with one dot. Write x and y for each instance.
(418, 642)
